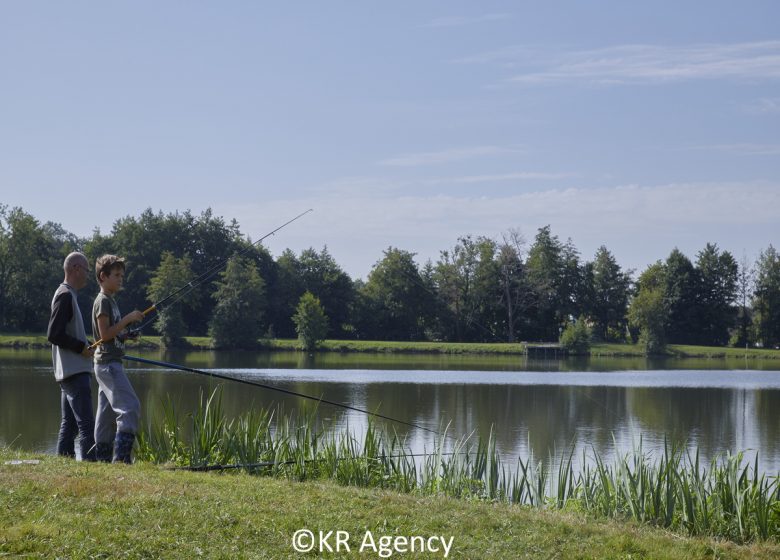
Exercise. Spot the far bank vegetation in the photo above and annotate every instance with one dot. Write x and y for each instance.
(480, 290)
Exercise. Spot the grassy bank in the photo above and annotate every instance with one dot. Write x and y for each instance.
(379, 346)
(373, 346)
(61, 508)
(278, 344)
(685, 351)
(725, 498)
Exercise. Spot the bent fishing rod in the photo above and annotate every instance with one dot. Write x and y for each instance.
(272, 388)
(184, 290)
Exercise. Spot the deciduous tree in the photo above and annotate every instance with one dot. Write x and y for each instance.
(318, 273)
(30, 269)
(468, 280)
(766, 299)
(649, 309)
(394, 302)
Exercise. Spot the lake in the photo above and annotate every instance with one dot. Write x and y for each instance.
(543, 407)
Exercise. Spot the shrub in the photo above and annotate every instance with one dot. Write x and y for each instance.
(576, 337)
(310, 320)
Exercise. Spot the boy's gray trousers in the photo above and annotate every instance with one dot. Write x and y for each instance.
(118, 406)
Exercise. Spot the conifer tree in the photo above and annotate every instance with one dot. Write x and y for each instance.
(172, 274)
(240, 306)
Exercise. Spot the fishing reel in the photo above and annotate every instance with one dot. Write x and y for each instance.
(130, 334)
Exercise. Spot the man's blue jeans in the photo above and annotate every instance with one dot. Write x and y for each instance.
(77, 417)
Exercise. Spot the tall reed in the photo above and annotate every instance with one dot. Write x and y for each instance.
(729, 498)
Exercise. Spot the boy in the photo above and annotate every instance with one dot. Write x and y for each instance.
(72, 360)
(117, 401)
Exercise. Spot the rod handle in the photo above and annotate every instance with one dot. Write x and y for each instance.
(146, 312)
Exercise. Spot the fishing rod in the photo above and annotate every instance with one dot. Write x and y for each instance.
(187, 288)
(267, 464)
(272, 388)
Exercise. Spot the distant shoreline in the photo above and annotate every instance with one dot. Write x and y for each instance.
(609, 350)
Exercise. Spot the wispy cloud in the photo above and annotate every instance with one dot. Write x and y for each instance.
(638, 223)
(764, 106)
(745, 149)
(383, 187)
(355, 186)
(448, 156)
(639, 64)
(460, 21)
(520, 176)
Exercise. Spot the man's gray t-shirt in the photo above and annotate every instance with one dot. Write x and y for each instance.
(113, 350)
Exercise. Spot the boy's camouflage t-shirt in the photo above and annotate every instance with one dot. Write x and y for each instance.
(113, 350)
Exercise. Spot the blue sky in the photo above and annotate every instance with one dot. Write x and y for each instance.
(639, 126)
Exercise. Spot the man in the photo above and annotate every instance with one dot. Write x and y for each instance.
(72, 360)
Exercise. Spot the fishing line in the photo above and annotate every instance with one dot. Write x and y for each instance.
(187, 288)
(206, 468)
(272, 388)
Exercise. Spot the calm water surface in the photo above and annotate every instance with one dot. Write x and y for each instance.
(534, 407)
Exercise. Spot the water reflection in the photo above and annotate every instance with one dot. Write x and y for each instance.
(544, 413)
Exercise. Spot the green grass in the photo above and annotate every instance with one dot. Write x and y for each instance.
(67, 509)
(407, 347)
(23, 340)
(727, 498)
(686, 351)
(203, 342)
(387, 347)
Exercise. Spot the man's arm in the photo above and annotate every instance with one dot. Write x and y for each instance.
(61, 314)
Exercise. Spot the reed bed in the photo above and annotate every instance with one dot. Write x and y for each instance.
(727, 498)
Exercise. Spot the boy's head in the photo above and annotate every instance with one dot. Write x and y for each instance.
(107, 265)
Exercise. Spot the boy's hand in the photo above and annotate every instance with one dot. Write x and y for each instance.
(135, 316)
(88, 352)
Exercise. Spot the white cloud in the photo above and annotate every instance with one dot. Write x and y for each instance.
(460, 21)
(447, 156)
(638, 223)
(640, 64)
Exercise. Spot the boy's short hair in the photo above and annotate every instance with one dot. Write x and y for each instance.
(107, 263)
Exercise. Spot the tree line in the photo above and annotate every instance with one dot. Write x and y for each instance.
(481, 289)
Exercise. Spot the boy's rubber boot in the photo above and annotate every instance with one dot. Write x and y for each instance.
(104, 451)
(123, 447)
